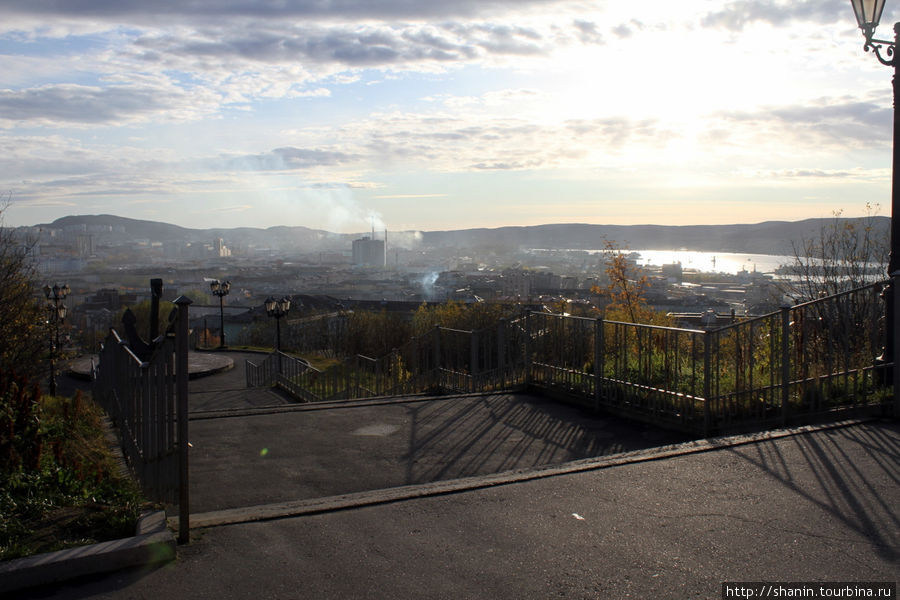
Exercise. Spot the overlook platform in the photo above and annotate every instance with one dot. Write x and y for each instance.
(510, 496)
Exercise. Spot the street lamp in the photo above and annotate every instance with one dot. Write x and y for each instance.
(277, 308)
(868, 15)
(55, 295)
(221, 289)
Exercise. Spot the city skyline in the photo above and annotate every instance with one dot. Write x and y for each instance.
(434, 116)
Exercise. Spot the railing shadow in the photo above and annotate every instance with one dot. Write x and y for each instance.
(502, 432)
(862, 498)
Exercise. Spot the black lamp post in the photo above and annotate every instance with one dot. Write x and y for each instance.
(277, 308)
(55, 296)
(221, 289)
(868, 15)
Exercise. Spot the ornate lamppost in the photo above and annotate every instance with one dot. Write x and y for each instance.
(868, 15)
(277, 309)
(57, 310)
(221, 289)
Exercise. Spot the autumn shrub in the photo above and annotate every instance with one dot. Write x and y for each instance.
(60, 484)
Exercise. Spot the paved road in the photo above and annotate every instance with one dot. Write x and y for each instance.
(819, 506)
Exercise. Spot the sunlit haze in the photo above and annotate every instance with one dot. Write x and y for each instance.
(347, 114)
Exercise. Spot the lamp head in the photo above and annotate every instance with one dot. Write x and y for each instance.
(868, 15)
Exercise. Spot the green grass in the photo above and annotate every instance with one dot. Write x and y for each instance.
(74, 493)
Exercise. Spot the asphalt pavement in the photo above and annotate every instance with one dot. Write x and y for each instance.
(510, 496)
(811, 507)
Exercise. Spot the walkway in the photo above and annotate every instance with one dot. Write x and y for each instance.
(819, 506)
(310, 451)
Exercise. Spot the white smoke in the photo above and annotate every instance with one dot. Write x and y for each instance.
(428, 281)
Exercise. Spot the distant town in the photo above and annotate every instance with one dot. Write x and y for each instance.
(108, 261)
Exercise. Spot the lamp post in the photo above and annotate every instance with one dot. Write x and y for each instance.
(868, 15)
(278, 308)
(221, 289)
(55, 296)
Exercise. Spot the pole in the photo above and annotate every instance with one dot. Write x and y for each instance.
(277, 333)
(785, 363)
(222, 321)
(896, 372)
(53, 352)
(278, 340)
(181, 393)
(887, 355)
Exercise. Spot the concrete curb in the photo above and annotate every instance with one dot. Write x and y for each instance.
(152, 543)
(313, 506)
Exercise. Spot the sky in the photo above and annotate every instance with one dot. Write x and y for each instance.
(435, 115)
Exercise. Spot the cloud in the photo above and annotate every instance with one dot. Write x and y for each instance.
(68, 104)
(368, 45)
(840, 122)
(408, 196)
(814, 173)
(283, 159)
(489, 141)
(735, 16)
(139, 10)
(588, 32)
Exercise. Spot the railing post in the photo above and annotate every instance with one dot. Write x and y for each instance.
(145, 431)
(785, 362)
(707, 382)
(436, 370)
(181, 392)
(528, 344)
(598, 360)
(473, 359)
(501, 352)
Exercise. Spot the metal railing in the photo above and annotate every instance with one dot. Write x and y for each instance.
(439, 362)
(266, 371)
(806, 362)
(147, 402)
(139, 397)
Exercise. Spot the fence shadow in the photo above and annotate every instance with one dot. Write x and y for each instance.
(502, 432)
(852, 474)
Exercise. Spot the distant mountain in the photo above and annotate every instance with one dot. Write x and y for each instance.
(125, 228)
(770, 237)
